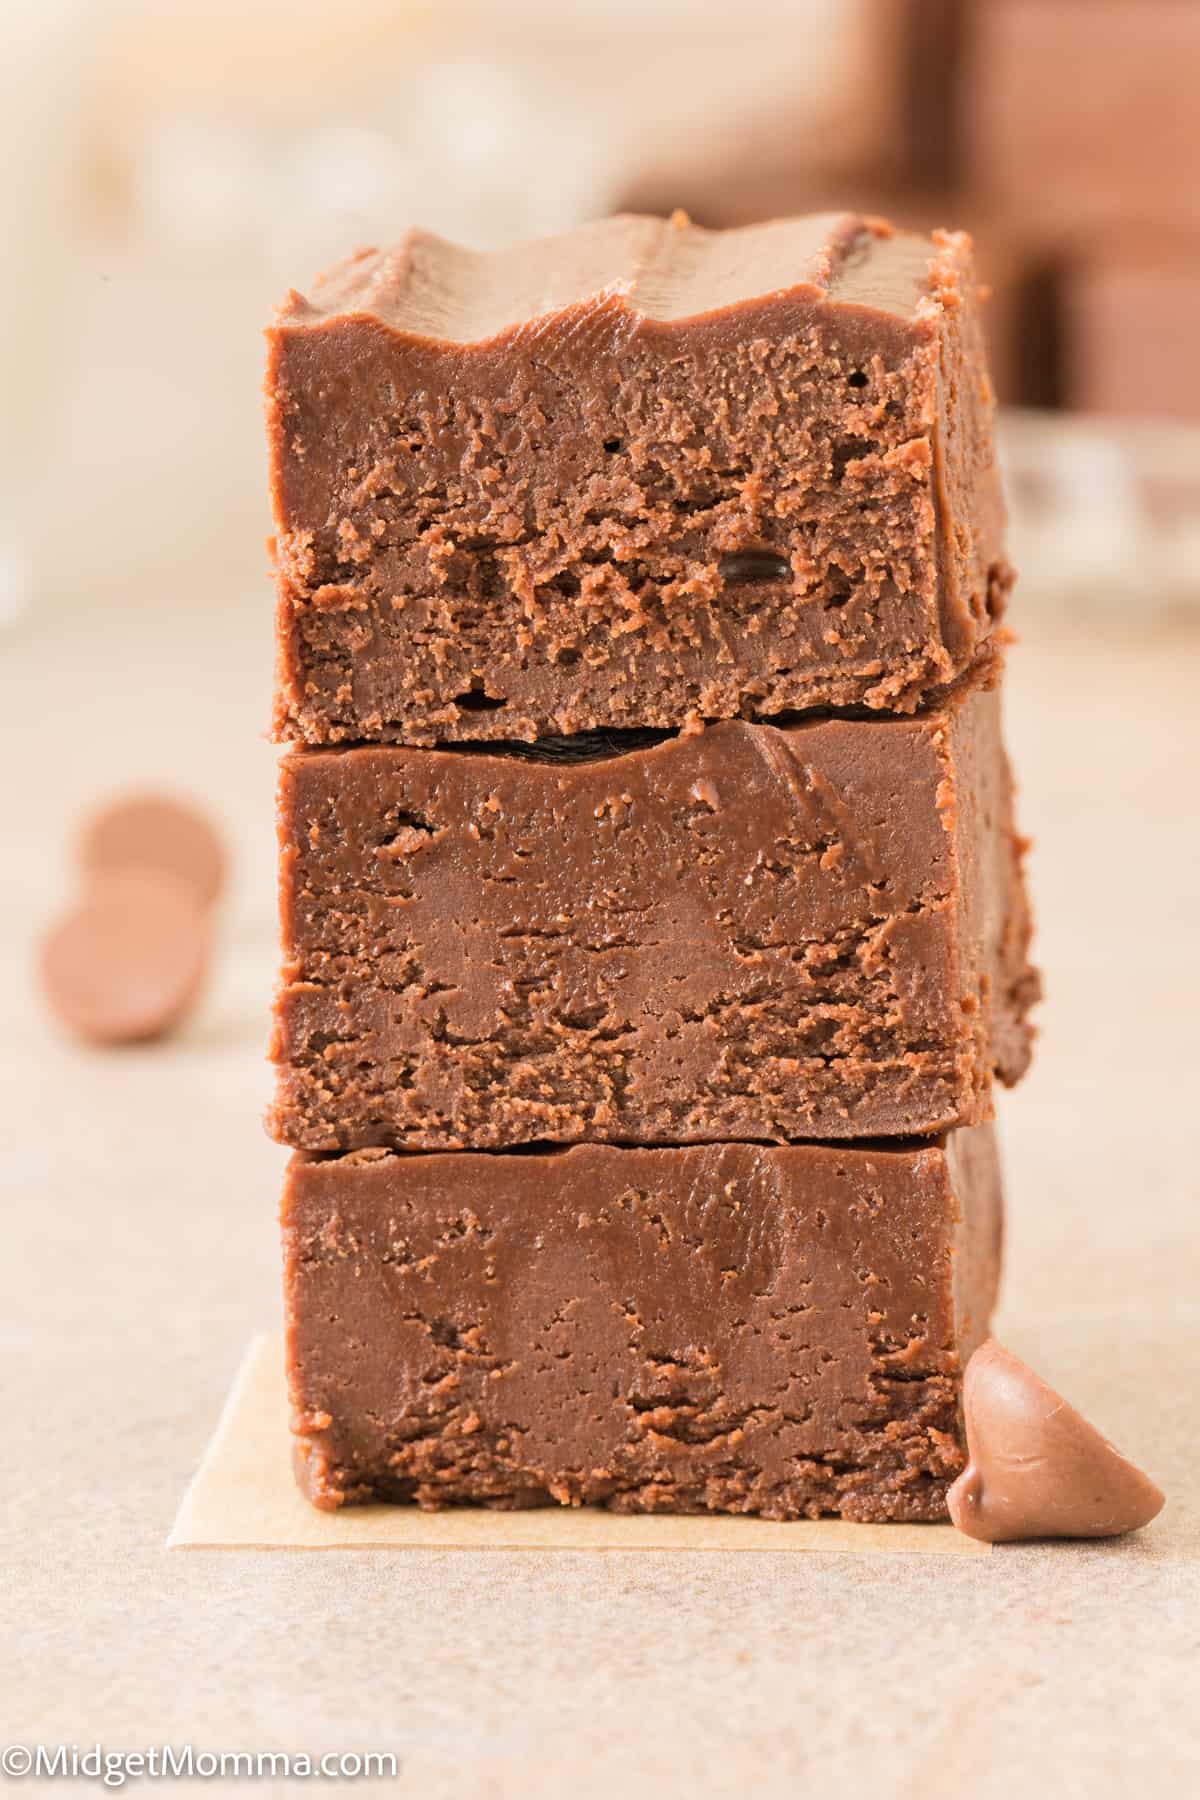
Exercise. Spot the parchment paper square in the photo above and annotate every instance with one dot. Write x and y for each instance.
(244, 1496)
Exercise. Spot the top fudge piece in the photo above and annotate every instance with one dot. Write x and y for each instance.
(631, 476)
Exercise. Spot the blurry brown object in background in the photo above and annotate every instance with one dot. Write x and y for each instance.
(1021, 317)
(1131, 334)
(931, 60)
(1079, 114)
(860, 114)
(154, 831)
(127, 961)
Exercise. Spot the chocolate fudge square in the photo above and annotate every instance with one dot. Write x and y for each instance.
(729, 1327)
(751, 931)
(630, 477)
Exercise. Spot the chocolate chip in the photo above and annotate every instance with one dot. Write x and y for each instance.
(126, 962)
(154, 831)
(753, 565)
(1037, 1468)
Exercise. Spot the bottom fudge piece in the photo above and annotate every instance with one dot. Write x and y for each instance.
(744, 1328)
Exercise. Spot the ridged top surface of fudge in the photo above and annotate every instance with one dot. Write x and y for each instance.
(634, 476)
(662, 271)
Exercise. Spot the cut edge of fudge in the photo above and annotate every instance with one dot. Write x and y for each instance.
(862, 969)
(733, 1328)
(636, 475)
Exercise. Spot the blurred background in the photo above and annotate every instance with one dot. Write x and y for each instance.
(180, 165)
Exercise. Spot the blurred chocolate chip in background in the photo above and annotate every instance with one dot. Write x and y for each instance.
(155, 831)
(126, 962)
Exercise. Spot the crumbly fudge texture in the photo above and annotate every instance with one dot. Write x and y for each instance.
(630, 476)
(744, 932)
(729, 1327)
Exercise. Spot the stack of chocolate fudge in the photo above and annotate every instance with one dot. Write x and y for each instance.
(653, 922)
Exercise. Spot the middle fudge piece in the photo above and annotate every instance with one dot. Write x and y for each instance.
(753, 931)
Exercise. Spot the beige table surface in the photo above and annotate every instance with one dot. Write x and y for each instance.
(139, 1196)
